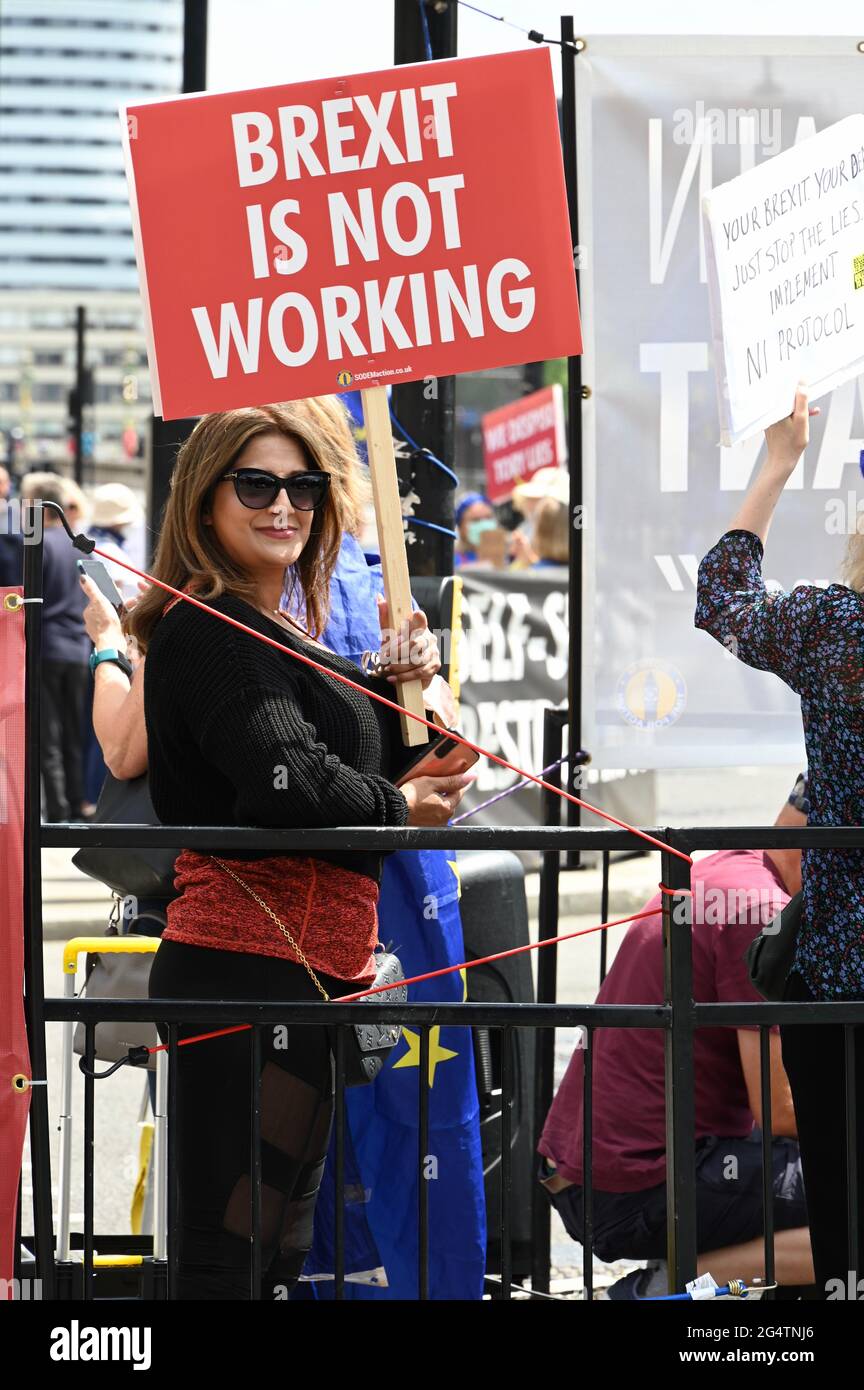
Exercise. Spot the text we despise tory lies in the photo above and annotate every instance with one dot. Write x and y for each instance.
(351, 135)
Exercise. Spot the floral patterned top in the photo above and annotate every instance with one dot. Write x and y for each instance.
(813, 639)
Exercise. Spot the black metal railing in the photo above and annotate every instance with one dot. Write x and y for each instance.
(678, 1016)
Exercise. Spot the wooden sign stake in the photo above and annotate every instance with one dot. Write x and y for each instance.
(391, 539)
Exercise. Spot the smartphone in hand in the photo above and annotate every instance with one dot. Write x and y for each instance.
(95, 570)
(443, 757)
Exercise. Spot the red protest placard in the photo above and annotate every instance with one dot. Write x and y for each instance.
(521, 438)
(356, 231)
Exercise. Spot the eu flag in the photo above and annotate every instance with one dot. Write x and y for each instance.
(418, 914)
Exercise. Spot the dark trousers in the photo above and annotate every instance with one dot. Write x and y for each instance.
(214, 1118)
(64, 687)
(632, 1225)
(814, 1059)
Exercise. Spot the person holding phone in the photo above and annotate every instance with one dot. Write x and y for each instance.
(238, 733)
(813, 639)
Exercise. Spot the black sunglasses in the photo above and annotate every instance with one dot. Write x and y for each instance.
(257, 489)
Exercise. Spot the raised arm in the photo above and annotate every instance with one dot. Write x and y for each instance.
(786, 442)
(768, 631)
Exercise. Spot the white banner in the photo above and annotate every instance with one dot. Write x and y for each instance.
(660, 122)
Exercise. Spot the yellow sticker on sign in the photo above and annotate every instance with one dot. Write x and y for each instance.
(858, 271)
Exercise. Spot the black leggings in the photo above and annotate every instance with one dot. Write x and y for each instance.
(215, 1128)
(814, 1059)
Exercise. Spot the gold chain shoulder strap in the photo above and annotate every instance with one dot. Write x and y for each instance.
(270, 913)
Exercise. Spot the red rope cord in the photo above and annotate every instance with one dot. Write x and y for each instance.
(433, 974)
(391, 704)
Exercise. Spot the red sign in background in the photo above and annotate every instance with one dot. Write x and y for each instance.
(351, 232)
(521, 438)
(14, 1055)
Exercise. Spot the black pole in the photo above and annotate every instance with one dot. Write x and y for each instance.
(574, 432)
(194, 45)
(680, 1077)
(34, 982)
(76, 401)
(604, 914)
(768, 1160)
(427, 408)
(167, 436)
(506, 1188)
(547, 993)
(339, 1123)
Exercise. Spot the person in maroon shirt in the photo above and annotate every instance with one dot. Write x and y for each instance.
(735, 893)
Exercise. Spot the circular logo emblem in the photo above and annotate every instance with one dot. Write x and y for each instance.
(344, 378)
(651, 694)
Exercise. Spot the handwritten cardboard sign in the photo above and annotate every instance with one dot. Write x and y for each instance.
(785, 256)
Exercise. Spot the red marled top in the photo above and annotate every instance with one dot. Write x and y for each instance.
(330, 912)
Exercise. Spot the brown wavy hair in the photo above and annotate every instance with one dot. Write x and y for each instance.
(189, 555)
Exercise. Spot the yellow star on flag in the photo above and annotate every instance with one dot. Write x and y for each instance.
(437, 1053)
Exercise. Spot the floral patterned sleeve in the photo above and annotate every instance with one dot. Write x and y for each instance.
(766, 630)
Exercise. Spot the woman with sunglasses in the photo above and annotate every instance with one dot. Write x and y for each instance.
(241, 734)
